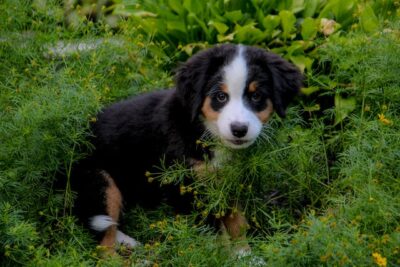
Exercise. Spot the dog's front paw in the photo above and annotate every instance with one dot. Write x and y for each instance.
(246, 255)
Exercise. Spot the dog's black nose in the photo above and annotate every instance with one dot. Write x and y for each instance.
(239, 129)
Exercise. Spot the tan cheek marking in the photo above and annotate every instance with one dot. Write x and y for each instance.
(265, 114)
(252, 87)
(113, 204)
(208, 111)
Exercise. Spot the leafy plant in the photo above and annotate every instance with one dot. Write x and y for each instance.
(293, 29)
(319, 194)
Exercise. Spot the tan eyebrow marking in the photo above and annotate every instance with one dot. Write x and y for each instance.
(253, 87)
(224, 88)
(265, 114)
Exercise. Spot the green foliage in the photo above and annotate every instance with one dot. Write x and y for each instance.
(52, 84)
(293, 29)
(280, 175)
(314, 193)
(277, 25)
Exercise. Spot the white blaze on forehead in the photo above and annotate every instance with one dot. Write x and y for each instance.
(235, 75)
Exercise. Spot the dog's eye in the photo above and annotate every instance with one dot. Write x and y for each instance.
(221, 97)
(255, 97)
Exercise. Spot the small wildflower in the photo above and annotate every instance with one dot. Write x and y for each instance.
(384, 120)
(152, 226)
(93, 119)
(147, 246)
(182, 189)
(150, 179)
(147, 174)
(367, 108)
(343, 260)
(385, 239)
(324, 258)
(100, 248)
(379, 260)
(112, 70)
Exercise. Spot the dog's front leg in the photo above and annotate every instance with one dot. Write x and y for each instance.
(234, 227)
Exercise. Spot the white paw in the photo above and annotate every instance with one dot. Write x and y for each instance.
(123, 239)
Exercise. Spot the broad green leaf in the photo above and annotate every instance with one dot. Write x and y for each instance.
(176, 5)
(270, 22)
(249, 34)
(193, 17)
(188, 49)
(284, 4)
(296, 48)
(226, 38)
(176, 26)
(220, 27)
(288, 21)
(310, 8)
(309, 28)
(234, 16)
(193, 6)
(343, 107)
(297, 6)
(309, 90)
(342, 11)
(368, 20)
(316, 107)
(302, 62)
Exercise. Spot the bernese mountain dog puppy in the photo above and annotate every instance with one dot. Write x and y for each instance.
(228, 91)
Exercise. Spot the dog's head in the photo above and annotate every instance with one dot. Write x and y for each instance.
(234, 89)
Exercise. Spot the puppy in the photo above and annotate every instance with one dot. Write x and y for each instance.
(228, 90)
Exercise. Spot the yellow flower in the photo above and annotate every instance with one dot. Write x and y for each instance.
(379, 260)
(384, 120)
(182, 189)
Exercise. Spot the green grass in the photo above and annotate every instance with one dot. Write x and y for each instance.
(316, 193)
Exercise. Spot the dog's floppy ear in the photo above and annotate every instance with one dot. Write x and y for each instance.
(189, 79)
(286, 81)
(193, 77)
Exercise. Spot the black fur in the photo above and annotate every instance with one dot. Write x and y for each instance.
(130, 137)
(282, 78)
